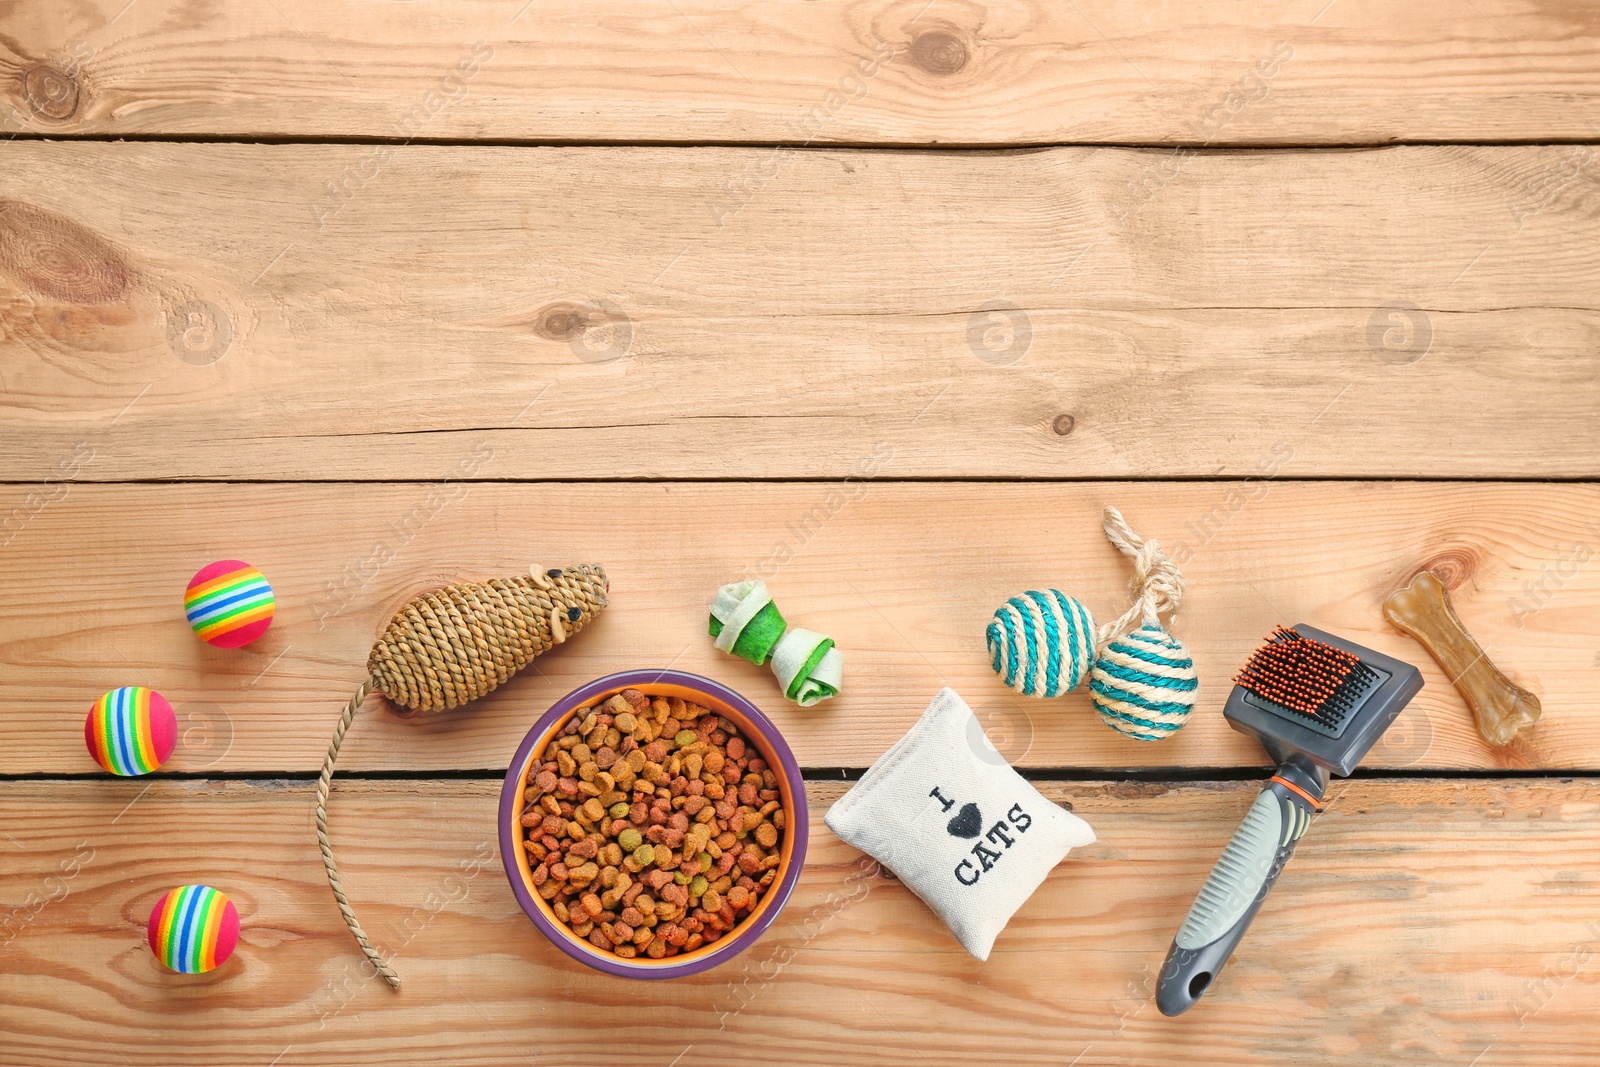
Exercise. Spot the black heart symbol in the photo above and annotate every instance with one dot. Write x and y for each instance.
(967, 822)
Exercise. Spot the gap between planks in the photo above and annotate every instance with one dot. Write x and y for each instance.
(825, 775)
(942, 147)
(971, 479)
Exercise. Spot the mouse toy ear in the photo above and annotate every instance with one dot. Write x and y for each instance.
(454, 645)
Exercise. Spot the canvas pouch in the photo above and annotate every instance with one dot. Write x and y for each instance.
(957, 824)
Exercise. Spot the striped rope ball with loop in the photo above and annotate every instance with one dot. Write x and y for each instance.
(1041, 643)
(1143, 684)
(1142, 681)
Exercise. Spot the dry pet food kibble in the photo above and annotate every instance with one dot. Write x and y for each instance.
(652, 827)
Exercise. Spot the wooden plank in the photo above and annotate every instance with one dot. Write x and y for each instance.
(903, 575)
(1020, 72)
(614, 313)
(1420, 921)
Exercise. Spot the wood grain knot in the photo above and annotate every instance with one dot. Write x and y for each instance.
(1063, 424)
(50, 93)
(56, 257)
(561, 321)
(1454, 566)
(939, 52)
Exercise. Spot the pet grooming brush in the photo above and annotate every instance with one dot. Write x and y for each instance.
(1316, 703)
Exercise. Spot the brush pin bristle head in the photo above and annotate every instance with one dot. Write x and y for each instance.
(1319, 696)
(1305, 675)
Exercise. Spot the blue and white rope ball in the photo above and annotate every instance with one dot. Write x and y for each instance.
(1041, 643)
(1143, 684)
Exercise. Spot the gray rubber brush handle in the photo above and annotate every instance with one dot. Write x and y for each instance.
(1232, 895)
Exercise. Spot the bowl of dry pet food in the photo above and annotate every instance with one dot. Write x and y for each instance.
(653, 824)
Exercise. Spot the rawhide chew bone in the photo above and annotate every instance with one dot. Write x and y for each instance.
(746, 622)
(1422, 609)
(454, 645)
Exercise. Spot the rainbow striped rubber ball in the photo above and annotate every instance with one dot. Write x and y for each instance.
(131, 730)
(193, 929)
(229, 603)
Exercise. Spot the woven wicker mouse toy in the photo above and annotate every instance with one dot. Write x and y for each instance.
(454, 645)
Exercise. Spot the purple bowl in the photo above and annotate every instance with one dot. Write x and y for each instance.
(757, 729)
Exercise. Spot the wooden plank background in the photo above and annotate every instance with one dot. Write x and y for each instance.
(896, 72)
(1438, 921)
(210, 311)
(903, 576)
(881, 302)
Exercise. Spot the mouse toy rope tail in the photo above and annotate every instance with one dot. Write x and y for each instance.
(334, 882)
(452, 646)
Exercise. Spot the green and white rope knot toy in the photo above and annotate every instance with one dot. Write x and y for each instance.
(1141, 679)
(746, 622)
